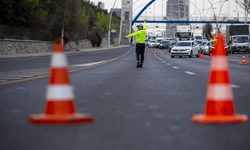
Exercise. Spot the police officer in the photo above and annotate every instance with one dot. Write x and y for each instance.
(140, 43)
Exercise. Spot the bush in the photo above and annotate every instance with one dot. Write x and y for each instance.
(99, 41)
(93, 39)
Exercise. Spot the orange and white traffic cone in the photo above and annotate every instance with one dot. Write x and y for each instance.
(145, 50)
(165, 52)
(219, 99)
(203, 57)
(211, 56)
(199, 54)
(60, 107)
(155, 51)
(244, 60)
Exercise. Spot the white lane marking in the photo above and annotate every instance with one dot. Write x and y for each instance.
(10, 78)
(189, 72)
(163, 61)
(160, 59)
(19, 75)
(168, 64)
(175, 67)
(3, 80)
(89, 64)
(235, 86)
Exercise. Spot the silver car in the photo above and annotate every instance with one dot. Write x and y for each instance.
(152, 43)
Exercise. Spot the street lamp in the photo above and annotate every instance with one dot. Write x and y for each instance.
(243, 13)
(110, 24)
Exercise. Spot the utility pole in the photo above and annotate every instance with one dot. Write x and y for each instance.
(247, 1)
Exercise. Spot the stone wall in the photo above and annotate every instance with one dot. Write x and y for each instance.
(11, 46)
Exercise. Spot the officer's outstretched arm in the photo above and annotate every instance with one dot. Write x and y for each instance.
(145, 27)
(130, 35)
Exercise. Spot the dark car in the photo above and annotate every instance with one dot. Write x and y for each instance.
(172, 44)
(164, 44)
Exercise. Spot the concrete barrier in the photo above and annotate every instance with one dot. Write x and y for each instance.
(12, 46)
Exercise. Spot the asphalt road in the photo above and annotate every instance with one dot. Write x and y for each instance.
(134, 108)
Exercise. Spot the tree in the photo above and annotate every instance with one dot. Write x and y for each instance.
(207, 30)
(245, 4)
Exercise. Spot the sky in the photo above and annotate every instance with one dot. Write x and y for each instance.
(139, 4)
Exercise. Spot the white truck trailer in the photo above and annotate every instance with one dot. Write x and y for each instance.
(181, 32)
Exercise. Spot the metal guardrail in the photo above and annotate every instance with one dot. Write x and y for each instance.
(193, 18)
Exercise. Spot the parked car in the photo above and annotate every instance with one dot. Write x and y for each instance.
(164, 44)
(151, 44)
(185, 48)
(172, 44)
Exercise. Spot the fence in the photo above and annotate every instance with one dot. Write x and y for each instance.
(43, 35)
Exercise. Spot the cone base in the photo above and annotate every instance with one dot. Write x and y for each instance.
(200, 118)
(60, 119)
(243, 63)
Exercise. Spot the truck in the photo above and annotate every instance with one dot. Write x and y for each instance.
(237, 38)
(181, 32)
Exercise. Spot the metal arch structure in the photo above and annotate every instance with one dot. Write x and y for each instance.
(178, 21)
(142, 11)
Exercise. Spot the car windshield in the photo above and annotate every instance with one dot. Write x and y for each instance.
(158, 41)
(199, 42)
(198, 37)
(152, 41)
(173, 43)
(183, 44)
(204, 43)
(165, 42)
(185, 34)
(241, 39)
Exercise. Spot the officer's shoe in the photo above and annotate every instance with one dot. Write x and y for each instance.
(141, 64)
(138, 65)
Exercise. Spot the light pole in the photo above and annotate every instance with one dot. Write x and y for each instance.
(222, 6)
(242, 13)
(110, 24)
(210, 8)
(197, 8)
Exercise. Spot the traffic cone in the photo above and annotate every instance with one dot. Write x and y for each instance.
(145, 50)
(243, 60)
(199, 54)
(211, 56)
(203, 57)
(155, 51)
(219, 99)
(60, 107)
(165, 52)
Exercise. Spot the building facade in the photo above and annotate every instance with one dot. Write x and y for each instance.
(176, 10)
(101, 5)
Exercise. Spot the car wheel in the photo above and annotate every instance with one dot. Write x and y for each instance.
(172, 56)
(232, 52)
(191, 54)
(180, 56)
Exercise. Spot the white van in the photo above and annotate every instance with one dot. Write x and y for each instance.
(197, 37)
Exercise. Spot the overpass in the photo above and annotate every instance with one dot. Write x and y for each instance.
(221, 20)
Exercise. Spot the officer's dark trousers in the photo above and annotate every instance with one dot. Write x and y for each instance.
(140, 47)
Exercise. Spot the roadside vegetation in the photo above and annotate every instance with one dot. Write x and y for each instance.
(81, 18)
